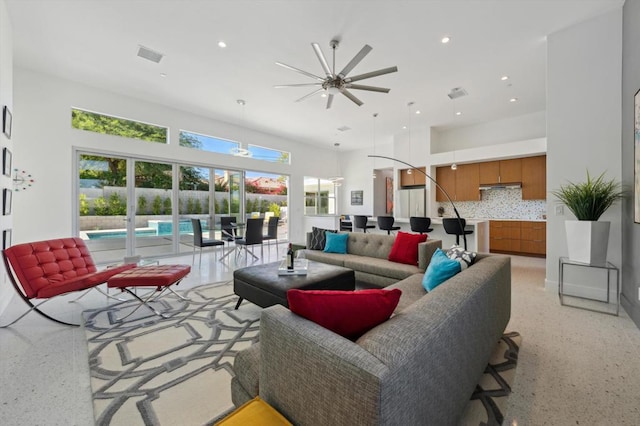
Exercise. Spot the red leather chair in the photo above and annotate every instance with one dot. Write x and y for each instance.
(45, 269)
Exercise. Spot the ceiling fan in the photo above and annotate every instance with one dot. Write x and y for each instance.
(334, 83)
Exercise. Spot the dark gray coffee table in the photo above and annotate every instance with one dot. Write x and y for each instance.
(262, 285)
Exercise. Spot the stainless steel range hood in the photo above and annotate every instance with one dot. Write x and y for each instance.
(516, 185)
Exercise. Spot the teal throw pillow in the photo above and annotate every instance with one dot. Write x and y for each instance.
(336, 243)
(440, 269)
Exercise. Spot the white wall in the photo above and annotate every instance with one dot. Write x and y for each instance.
(44, 141)
(630, 230)
(6, 98)
(528, 126)
(583, 125)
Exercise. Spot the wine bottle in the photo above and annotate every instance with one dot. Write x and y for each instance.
(290, 257)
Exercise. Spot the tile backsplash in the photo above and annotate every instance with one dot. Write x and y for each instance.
(499, 204)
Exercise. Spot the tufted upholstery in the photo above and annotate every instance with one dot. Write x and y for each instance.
(48, 268)
(372, 245)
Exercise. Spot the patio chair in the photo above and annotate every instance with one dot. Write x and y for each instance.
(50, 268)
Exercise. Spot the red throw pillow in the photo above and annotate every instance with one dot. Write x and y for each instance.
(405, 248)
(347, 313)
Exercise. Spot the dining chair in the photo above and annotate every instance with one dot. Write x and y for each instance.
(198, 241)
(272, 232)
(252, 237)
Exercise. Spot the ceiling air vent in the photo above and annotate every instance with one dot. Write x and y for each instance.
(457, 92)
(151, 55)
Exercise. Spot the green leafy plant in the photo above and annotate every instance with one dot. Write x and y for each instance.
(589, 200)
(84, 205)
(142, 204)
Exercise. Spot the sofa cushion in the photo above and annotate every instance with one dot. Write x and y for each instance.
(464, 257)
(412, 290)
(336, 243)
(330, 258)
(318, 238)
(381, 267)
(347, 313)
(440, 269)
(405, 248)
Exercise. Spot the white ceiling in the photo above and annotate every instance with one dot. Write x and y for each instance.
(96, 42)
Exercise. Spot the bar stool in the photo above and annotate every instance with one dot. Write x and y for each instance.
(455, 226)
(420, 224)
(360, 222)
(385, 223)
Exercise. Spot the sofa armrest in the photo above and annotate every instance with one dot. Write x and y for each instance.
(425, 252)
(314, 376)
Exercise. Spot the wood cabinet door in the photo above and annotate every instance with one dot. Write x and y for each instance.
(534, 178)
(468, 182)
(419, 178)
(446, 178)
(489, 172)
(511, 170)
(406, 179)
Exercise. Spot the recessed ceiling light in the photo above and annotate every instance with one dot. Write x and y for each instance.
(222, 44)
(324, 95)
(513, 100)
(445, 39)
(163, 74)
(418, 112)
(504, 78)
(458, 113)
(404, 127)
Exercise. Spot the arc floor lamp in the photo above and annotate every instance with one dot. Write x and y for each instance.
(455, 210)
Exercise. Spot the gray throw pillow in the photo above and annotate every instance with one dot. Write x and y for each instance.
(318, 239)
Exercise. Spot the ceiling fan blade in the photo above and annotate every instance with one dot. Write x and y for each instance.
(355, 61)
(309, 95)
(282, 86)
(329, 100)
(370, 88)
(350, 96)
(322, 59)
(308, 74)
(371, 74)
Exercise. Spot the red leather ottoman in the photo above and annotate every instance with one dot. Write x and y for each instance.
(161, 277)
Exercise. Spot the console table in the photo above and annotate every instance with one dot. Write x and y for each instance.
(608, 266)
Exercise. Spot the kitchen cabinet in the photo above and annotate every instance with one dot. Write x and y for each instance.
(415, 178)
(446, 178)
(533, 237)
(502, 171)
(461, 184)
(518, 237)
(534, 178)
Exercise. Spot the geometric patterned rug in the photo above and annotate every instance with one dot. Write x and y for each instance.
(488, 403)
(148, 370)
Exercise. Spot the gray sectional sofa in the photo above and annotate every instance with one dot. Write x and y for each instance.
(368, 254)
(419, 367)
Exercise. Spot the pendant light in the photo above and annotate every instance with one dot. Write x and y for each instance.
(338, 177)
(375, 115)
(238, 151)
(454, 166)
(410, 171)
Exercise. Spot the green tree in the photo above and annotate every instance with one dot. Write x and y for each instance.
(156, 207)
(190, 208)
(101, 123)
(273, 207)
(166, 204)
(197, 208)
(100, 206)
(117, 205)
(84, 205)
(142, 204)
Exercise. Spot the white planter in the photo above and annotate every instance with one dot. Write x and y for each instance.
(587, 241)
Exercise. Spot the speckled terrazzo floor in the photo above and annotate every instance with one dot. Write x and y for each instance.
(575, 366)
